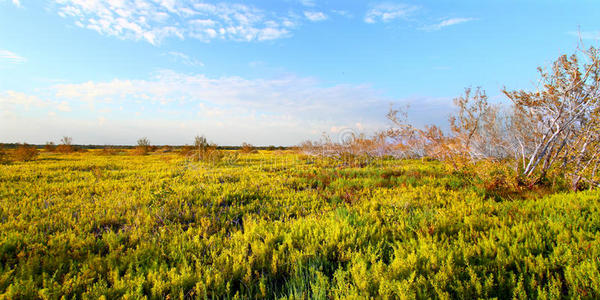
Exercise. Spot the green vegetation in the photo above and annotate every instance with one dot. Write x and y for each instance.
(283, 225)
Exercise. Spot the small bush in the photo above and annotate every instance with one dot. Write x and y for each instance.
(65, 145)
(248, 148)
(65, 149)
(50, 147)
(26, 153)
(204, 151)
(143, 146)
(3, 155)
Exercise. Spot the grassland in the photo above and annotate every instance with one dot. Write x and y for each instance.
(281, 225)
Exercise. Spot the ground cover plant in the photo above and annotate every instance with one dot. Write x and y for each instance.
(280, 224)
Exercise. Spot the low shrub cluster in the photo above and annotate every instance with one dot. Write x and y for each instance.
(3, 155)
(90, 226)
(109, 151)
(25, 153)
(248, 148)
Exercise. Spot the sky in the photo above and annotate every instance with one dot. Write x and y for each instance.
(264, 72)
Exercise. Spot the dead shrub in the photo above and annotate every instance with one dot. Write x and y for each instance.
(50, 147)
(3, 155)
(25, 153)
(248, 148)
(66, 145)
(186, 150)
(143, 147)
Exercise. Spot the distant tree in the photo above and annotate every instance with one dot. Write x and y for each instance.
(201, 143)
(143, 142)
(66, 140)
(247, 148)
(65, 145)
(143, 146)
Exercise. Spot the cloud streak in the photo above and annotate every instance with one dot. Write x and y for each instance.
(315, 16)
(387, 12)
(11, 57)
(185, 59)
(446, 23)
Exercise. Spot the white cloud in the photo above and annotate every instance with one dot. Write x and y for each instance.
(386, 12)
(10, 99)
(303, 96)
(63, 106)
(155, 20)
(284, 110)
(186, 59)
(11, 57)
(315, 16)
(446, 23)
(309, 3)
(16, 3)
(343, 13)
(229, 110)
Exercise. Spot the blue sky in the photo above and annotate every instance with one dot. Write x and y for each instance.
(263, 72)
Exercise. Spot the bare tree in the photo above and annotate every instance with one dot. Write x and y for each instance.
(66, 140)
(143, 146)
(201, 143)
(478, 127)
(65, 145)
(559, 121)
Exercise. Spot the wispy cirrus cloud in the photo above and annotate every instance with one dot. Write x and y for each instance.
(153, 21)
(185, 59)
(315, 16)
(290, 94)
(586, 35)
(309, 3)
(15, 2)
(386, 12)
(11, 57)
(446, 23)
